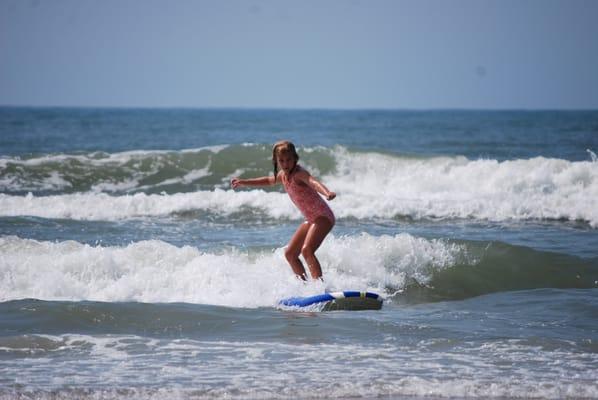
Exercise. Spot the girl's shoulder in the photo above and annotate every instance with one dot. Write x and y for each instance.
(281, 178)
(300, 170)
(300, 174)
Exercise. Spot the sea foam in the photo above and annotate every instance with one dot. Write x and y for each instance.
(155, 271)
(455, 187)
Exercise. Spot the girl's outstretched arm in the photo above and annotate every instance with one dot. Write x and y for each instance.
(318, 186)
(262, 181)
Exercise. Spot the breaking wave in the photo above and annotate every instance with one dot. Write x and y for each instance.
(402, 266)
(100, 186)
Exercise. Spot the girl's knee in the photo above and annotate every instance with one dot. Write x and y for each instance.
(291, 254)
(307, 252)
(324, 222)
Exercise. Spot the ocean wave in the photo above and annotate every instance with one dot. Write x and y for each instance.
(149, 171)
(129, 171)
(368, 184)
(155, 271)
(404, 266)
(455, 187)
(498, 267)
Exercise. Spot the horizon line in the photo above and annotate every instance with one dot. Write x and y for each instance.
(282, 108)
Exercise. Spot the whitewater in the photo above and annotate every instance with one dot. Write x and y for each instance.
(155, 271)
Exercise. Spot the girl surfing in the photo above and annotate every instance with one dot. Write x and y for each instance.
(303, 190)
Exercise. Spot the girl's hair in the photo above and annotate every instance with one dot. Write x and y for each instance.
(283, 147)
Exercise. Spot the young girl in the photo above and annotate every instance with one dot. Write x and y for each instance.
(303, 190)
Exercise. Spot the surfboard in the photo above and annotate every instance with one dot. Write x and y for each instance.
(348, 300)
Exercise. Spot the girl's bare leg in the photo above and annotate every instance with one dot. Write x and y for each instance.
(294, 249)
(314, 238)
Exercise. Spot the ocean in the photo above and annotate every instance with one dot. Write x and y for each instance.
(129, 269)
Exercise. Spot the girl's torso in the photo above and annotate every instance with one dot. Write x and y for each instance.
(307, 200)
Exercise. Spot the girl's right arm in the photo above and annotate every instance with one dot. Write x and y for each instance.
(263, 181)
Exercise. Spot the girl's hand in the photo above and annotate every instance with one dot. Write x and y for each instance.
(235, 183)
(331, 195)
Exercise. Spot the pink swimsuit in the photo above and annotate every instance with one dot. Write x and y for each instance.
(307, 200)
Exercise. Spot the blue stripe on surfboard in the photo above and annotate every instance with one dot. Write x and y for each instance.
(321, 298)
(352, 293)
(306, 301)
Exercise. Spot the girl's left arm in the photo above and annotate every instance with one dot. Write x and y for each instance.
(316, 185)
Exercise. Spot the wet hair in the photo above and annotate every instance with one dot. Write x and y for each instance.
(283, 147)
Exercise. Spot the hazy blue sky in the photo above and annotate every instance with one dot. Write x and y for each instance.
(309, 54)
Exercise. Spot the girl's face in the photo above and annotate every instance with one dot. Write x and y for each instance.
(286, 162)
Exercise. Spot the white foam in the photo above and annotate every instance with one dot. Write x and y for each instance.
(375, 185)
(214, 149)
(50, 181)
(189, 177)
(101, 206)
(127, 185)
(155, 271)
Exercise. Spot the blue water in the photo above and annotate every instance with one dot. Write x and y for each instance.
(130, 269)
(497, 134)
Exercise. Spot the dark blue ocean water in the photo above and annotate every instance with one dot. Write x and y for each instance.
(130, 269)
(475, 134)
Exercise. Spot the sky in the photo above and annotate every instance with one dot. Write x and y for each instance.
(421, 54)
